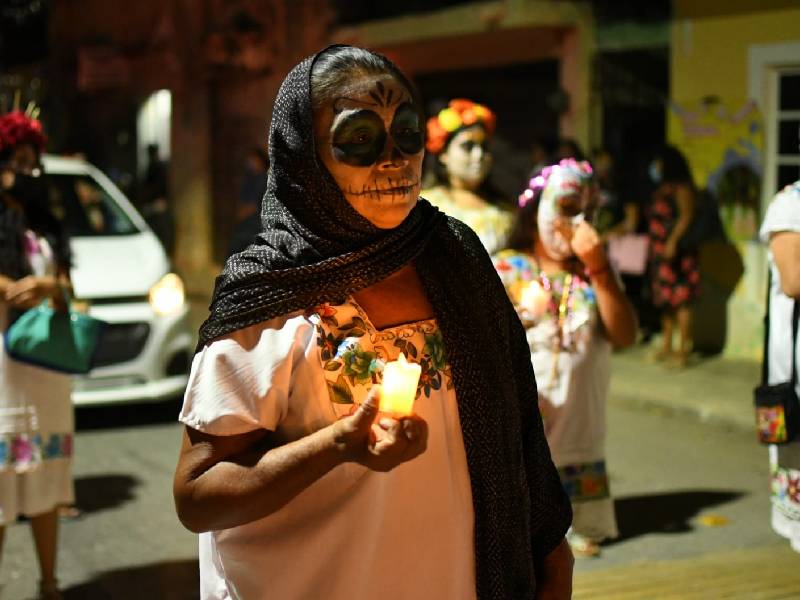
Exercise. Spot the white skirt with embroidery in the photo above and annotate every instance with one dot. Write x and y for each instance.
(36, 433)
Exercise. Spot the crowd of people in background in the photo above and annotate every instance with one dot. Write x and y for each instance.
(582, 264)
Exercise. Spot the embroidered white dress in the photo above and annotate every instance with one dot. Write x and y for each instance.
(36, 423)
(492, 224)
(355, 533)
(783, 214)
(573, 387)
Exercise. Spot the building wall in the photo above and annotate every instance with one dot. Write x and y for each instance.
(717, 123)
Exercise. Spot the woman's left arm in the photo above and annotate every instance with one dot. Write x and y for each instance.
(616, 311)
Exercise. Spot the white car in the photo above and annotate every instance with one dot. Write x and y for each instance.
(121, 273)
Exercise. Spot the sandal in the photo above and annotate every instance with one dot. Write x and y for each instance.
(582, 546)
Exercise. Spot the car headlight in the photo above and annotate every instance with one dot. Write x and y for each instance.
(167, 296)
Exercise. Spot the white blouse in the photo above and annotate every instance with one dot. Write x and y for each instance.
(354, 533)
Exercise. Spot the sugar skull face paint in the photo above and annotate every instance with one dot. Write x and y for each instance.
(467, 157)
(370, 140)
(359, 136)
(567, 199)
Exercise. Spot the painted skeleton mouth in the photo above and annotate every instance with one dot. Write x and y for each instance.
(396, 190)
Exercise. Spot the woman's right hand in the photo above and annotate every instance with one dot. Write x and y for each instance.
(31, 290)
(381, 446)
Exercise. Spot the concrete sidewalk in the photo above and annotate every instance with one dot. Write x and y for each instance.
(716, 390)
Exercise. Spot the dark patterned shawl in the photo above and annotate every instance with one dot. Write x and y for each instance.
(315, 248)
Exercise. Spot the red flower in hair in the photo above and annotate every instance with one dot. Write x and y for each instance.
(17, 128)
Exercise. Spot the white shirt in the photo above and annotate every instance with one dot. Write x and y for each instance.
(783, 214)
(355, 533)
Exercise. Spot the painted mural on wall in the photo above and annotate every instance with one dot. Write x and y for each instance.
(723, 142)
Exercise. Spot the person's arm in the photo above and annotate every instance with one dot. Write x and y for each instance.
(628, 223)
(32, 289)
(4, 283)
(785, 246)
(226, 481)
(616, 312)
(685, 201)
(554, 577)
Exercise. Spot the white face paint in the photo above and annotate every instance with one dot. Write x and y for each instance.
(467, 158)
(560, 211)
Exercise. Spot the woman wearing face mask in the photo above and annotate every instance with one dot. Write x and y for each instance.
(459, 136)
(36, 419)
(298, 487)
(674, 266)
(574, 310)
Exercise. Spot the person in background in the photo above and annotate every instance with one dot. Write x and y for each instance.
(610, 215)
(156, 207)
(298, 486)
(569, 148)
(458, 137)
(781, 232)
(540, 157)
(574, 310)
(248, 211)
(254, 183)
(36, 415)
(674, 267)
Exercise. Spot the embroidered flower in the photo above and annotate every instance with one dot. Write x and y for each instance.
(358, 364)
(21, 450)
(434, 348)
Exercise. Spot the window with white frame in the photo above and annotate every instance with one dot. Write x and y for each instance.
(786, 141)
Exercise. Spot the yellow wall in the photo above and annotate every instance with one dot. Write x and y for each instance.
(710, 42)
(709, 53)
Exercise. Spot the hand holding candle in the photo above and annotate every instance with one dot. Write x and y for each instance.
(400, 379)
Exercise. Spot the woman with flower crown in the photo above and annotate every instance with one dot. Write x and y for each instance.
(458, 137)
(36, 418)
(574, 311)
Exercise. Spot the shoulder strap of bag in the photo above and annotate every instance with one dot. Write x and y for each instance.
(795, 324)
(765, 356)
(795, 328)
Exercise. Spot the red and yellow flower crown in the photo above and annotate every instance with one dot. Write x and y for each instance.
(18, 128)
(459, 113)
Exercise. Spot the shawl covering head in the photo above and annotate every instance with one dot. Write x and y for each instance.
(315, 248)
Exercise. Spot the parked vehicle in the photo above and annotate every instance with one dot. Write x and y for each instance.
(122, 275)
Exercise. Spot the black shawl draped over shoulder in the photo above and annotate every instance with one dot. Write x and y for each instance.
(315, 248)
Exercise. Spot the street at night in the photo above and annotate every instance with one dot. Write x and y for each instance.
(691, 499)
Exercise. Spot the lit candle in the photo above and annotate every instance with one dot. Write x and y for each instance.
(534, 299)
(399, 388)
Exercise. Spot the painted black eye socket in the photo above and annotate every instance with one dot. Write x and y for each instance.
(359, 139)
(469, 145)
(406, 130)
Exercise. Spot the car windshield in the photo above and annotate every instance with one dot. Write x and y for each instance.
(86, 208)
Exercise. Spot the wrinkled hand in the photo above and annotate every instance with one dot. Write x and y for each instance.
(31, 290)
(381, 446)
(588, 247)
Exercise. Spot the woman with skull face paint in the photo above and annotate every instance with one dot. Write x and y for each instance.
(298, 486)
(458, 137)
(36, 419)
(574, 310)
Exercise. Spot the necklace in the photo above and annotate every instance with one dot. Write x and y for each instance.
(561, 312)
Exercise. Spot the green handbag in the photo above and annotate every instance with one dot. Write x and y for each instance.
(56, 340)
